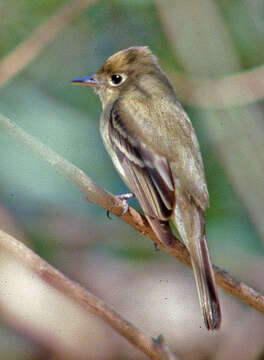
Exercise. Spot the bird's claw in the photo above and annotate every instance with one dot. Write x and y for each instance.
(156, 247)
(159, 340)
(124, 198)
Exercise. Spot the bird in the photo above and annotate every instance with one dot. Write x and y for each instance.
(154, 148)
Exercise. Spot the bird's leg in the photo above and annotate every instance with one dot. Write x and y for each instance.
(124, 198)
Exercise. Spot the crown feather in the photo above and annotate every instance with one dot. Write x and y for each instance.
(125, 60)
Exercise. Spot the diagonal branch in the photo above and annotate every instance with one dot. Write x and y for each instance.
(103, 198)
(155, 349)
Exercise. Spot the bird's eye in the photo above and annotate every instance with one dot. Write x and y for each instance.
(117, 79)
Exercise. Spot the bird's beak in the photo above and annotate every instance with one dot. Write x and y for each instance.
(88, 81)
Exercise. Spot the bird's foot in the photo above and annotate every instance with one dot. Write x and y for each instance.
(159, 340)
(124, 198)
(156, 247)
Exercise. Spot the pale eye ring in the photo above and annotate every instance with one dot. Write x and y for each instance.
(117, 79)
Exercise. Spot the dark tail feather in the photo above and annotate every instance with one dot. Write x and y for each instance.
(202, 267)
(190, 223)
(205, 283)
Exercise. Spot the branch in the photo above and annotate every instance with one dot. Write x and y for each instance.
(237, 89)
(21, 56)
(103, 198)
(155, 349)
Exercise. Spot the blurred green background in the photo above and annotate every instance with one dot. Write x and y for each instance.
(198, 38)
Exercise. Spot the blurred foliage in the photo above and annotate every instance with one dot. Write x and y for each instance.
(247, 29)
(20, 18)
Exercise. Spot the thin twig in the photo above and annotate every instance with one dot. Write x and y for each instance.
(103, 198)
(157, 350)
(28, 50)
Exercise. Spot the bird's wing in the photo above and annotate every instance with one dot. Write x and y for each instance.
(147, 174)
(164, 127)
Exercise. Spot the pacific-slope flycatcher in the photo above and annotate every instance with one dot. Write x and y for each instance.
(154, 148)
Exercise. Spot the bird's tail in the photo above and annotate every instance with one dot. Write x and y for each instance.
(205, 283)
(189, 221)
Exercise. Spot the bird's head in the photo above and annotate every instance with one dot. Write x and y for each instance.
(123, 72)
